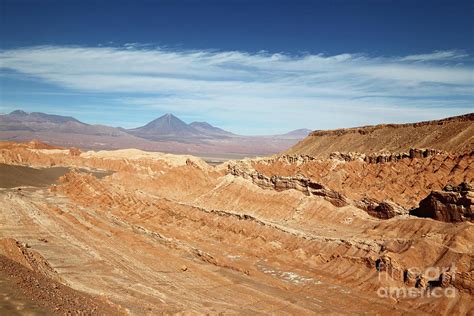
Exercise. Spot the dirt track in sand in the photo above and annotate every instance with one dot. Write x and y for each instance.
(166, 234)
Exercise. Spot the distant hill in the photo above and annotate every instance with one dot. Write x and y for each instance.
(454, 134)
(208, 129)
(38, 117)
(297, 134)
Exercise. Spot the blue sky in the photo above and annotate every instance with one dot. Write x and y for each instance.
(252, 67)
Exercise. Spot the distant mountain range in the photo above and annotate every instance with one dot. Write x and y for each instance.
(169, 126)
(166, 133)
(40, 122)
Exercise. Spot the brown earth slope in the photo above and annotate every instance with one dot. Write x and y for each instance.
(30, 286)
(288, 235)
(454, 134)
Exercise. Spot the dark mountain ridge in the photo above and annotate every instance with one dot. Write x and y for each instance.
(19, 120)
(41, 117)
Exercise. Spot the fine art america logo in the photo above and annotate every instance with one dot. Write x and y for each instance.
(430, 282)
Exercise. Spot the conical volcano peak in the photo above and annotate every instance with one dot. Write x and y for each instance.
(19, 113)
(166, 125)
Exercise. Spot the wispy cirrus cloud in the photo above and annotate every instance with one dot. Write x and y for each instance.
(317, 91)
(436, 56)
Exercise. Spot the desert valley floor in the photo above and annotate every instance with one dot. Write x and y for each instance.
(315, 230)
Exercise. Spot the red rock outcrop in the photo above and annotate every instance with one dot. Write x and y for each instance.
(383, 210)
(404, 181)
(299, 183)
(453, 204)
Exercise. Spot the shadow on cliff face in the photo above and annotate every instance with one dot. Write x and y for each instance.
(12, 176)
(452, 204)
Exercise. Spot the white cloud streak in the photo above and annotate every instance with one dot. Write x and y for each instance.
(440, 55)
(315, 90)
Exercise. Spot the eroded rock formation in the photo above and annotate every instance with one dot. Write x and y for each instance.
(298, 183)
(383, 210)
(404, 181)
(452, 204)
